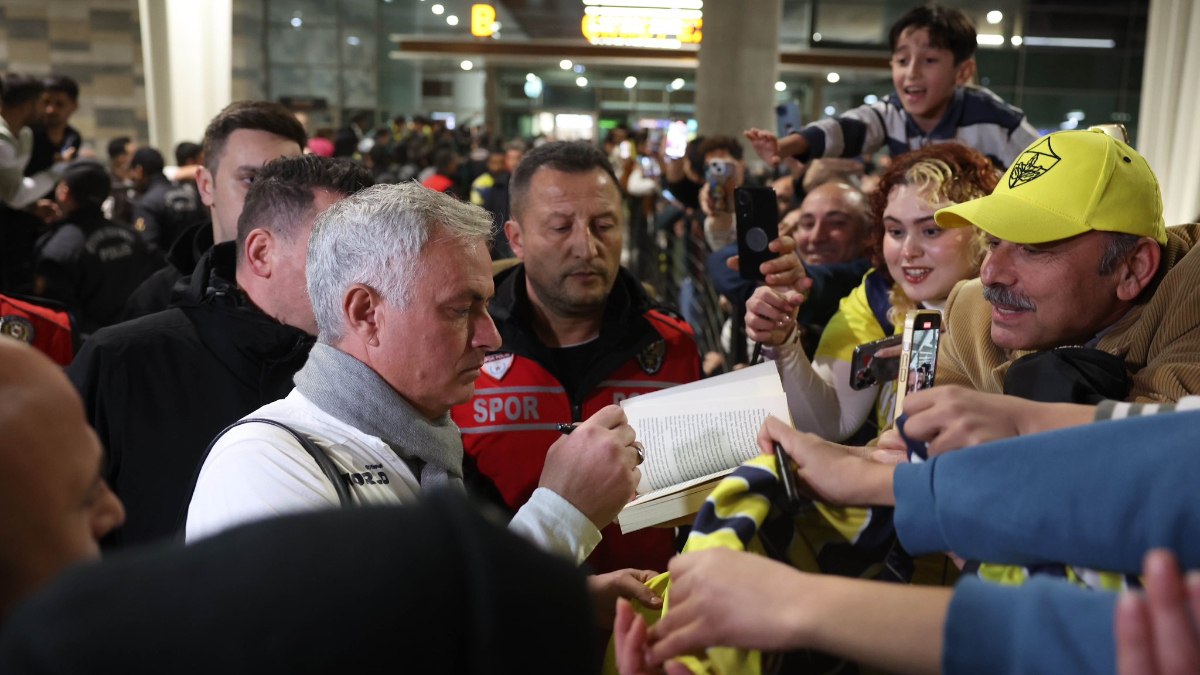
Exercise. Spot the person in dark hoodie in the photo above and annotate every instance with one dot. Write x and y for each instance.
(90, 263)
(237, 143)
(157, 388)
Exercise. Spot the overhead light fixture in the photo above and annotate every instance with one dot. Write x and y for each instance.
(630, 82)
(657, 4)
(530, 77)
(989, 40)
(1077, 115)
(1086, 43)
(437, 9)
(995, 16)
(466, 65)
(581, 81)
(816, 37)
(565, 64)
(677, 83)
(1016, 40)
(353, 41)
(452, 20)
(833, 78)
(780, 86)
(830, 110)
(297, 22)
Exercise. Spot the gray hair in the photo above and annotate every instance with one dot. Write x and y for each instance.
(375, 238)
(1116, 250)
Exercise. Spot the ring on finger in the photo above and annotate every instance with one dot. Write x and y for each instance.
(641, 452)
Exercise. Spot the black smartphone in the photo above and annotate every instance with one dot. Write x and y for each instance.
(918, 358)
(866, 370)
(757, 214)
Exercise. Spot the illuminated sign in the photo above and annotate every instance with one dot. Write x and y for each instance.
(665, 24)
(482, 19)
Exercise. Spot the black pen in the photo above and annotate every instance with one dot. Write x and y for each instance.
(566, 428)
(787, 476)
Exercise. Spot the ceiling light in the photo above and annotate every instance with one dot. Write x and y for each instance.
(466, 65)
(781, 86)
(816, 37)
(565, 64)
(530, 77)
(995, 16)
(630, 82)
(438, 9)
(581, 81)
(677, 83)
(297, 22)
(452, 20)
(830, 110)
(1088, 43)
(989, 40)
(1016, 40)
(833, 78)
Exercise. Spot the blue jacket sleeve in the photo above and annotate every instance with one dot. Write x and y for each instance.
(1045, 626)
(1097, 496)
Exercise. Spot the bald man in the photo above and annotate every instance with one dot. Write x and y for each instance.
(54, 506)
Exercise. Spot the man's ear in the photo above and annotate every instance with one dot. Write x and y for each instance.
(512, 230)
(360, 311)
(205, 185)
(1138, 270)
(964, 73)
(257, 252)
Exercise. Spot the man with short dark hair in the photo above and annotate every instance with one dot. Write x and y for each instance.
(165, 208)
(89, 263)
(158, 388)
(237, 143)
(20, 108)
(120, 153)
(579, 334)
(53, 134)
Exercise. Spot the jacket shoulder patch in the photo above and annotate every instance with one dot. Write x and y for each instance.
(651, 358)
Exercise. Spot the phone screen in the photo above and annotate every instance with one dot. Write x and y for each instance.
(676, 140)
(918, 360)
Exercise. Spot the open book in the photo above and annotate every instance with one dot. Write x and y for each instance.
(693, 435)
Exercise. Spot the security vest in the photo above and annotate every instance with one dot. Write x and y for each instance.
(513, 418)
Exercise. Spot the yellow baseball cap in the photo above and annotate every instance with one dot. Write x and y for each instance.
(1066, 184)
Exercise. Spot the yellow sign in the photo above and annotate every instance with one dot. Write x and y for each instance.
(482, 18)
(631, 30)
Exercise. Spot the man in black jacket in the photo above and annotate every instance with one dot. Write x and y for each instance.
(238, 141)
(165, 209)
(90, 263)
(158, 388)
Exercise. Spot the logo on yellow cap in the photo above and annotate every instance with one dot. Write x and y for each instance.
(1035, 161)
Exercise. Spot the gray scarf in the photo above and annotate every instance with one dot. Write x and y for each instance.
(348, 389)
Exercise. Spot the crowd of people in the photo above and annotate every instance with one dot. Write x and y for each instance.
(286, 324)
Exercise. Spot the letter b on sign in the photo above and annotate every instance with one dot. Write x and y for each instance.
(482, 18)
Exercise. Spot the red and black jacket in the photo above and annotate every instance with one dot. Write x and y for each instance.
(512, 419)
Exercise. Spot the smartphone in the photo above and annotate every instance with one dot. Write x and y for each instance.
(866, 370)
(918, 357)
(757, 214)
(677, 138)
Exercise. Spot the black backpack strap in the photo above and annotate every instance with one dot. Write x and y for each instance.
(315, 451)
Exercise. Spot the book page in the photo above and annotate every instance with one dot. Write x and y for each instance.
(758, 379)
(683, 443)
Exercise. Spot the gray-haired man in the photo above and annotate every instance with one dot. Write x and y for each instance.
(400, 278)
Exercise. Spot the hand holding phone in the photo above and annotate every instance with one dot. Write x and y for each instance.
(868, 368)
(757, 214)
